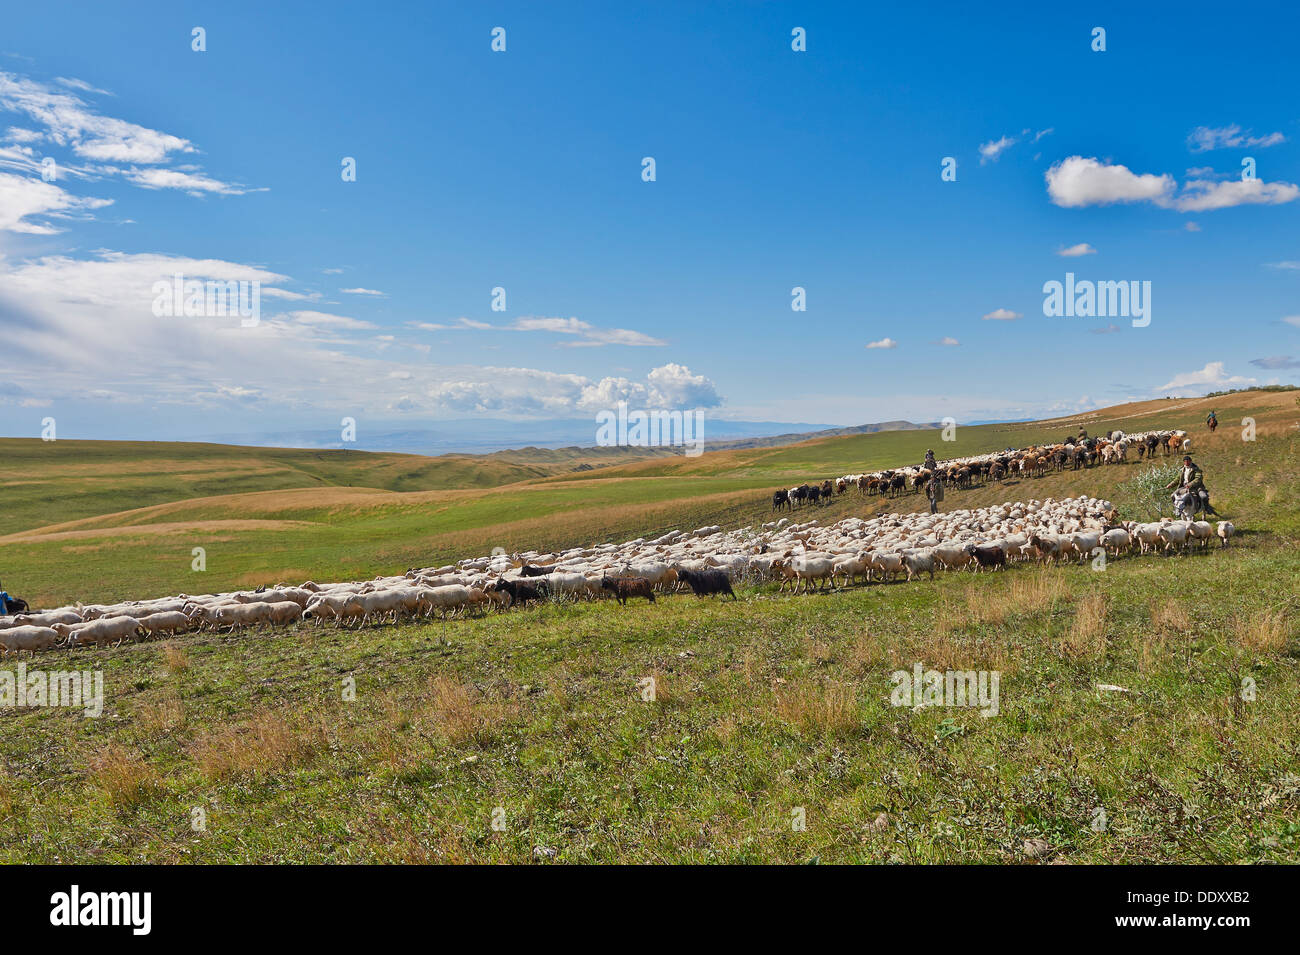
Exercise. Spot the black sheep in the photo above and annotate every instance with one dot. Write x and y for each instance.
(530, 570)
(520, 591)
(706, 582)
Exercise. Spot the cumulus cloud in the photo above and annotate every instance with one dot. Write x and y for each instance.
(1204, 138)
(883, 343)
(530, 392)
(1209, 378)
(1002, 315)
(1078, 181)
(1083, 248)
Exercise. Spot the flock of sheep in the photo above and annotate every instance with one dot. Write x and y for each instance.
(800, 555)
(1035, 461)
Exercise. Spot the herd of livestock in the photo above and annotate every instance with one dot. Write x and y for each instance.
(802, 556)
(1035, 461)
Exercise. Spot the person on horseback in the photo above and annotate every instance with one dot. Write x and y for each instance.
(929, 464)
(1192, 494)
(1212, 420)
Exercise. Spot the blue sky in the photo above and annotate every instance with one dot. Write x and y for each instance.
(522, 170)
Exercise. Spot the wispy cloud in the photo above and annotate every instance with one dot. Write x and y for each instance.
(1276, 361)
(584, 334)
(1002, 315)
(992, 150)
(1205, 138)
(360, 291)
(66, 120)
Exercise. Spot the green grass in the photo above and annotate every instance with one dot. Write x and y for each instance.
(765, 705)
(345, 514)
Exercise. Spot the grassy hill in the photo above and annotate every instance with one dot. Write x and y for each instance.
(767, 710)
(108, 520)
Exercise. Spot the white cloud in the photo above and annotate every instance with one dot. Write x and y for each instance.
(1083, 248)
(588, 335)
(1291, 266)
(1209, 378)
(68, 121)
(1201, 195)
(947, 340)
(1002, 315)
(22, 197)
(585, 334)
(326, 320)
(359, 291)
(1192, 227)
(192, 182)
(994, 148)
(883, 343)
(1292, 320)
(530, 392)
(1077, 181)
(1205, 138)
(84, 329)
(82, 85)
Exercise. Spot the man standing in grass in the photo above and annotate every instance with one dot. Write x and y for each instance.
(934, 491)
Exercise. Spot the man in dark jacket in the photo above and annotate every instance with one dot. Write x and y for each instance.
(934, 491)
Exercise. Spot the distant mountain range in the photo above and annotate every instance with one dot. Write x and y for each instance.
(491, 435)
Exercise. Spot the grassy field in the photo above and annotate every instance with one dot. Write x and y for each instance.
(109, 521)
(766, 710)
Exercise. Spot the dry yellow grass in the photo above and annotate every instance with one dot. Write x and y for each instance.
(162, 716)
(269, 741)
(1262, 632)
(817, 707)
(123, 775)
(1035, 592)
(866, 653)
(1169, 618)
(460, 714)
(1087, 634)
(175, 658)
